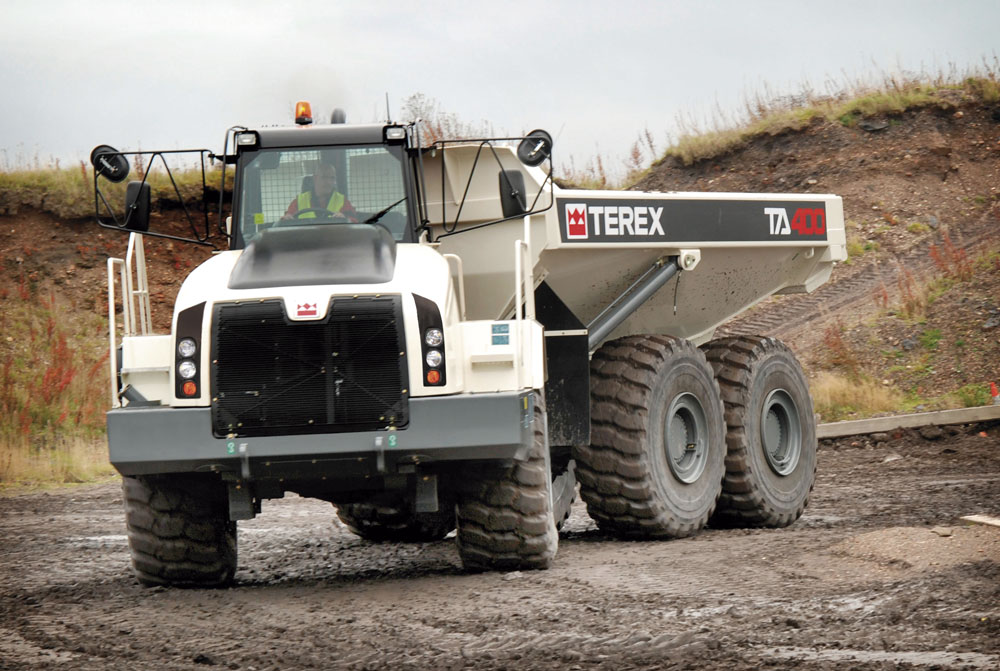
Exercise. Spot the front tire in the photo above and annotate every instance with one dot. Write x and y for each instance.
(505, 520)
(656, 459)
(771, 438)
(179, 531)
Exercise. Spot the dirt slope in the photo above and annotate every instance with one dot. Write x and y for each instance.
(928, 178)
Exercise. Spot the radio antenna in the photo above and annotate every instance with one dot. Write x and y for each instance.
(388, 114)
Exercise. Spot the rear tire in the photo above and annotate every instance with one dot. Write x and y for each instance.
(393, 521)
(655, 463)
(771, 438)
(179, 531)
(505, 520)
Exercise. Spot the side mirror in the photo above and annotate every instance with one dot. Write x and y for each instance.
(137, 206)
(535, 148)
(108, 163)
(512, 198)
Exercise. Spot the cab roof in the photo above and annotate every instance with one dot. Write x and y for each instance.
(326, 134)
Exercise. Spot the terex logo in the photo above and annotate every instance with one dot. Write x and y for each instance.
(603, 221)
(806, 221)
(576, 221)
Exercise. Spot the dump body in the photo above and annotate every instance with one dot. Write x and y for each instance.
(590, 246)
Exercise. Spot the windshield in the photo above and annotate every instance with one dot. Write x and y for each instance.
(328, 185)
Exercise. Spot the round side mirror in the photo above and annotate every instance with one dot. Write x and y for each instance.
(535, 148)
(109, 164)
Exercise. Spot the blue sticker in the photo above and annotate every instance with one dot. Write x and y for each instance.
(230, 447)
(501, 340)
(501, 328)
(392, 440)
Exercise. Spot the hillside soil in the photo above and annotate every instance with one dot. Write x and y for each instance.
(880, 573)
(922, 203)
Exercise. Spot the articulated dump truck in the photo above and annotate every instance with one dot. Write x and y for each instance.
(439, 338)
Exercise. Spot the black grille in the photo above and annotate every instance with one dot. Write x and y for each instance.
(274, 376)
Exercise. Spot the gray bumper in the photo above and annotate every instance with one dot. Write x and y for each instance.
(149, 440)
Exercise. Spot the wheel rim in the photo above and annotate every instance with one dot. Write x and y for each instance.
(685, 437)
(781, 432)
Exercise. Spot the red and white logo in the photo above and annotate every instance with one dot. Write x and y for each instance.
(305, 309)
(576, 221)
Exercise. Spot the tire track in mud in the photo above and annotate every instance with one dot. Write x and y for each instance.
(800, 320)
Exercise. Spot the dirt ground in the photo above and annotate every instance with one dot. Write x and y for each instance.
(878, 574)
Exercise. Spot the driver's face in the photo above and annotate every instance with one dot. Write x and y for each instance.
(325, 180)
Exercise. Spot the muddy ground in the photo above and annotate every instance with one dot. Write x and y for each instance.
(878, 574)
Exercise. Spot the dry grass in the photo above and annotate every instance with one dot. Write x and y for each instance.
(839, 397)
(68, 193)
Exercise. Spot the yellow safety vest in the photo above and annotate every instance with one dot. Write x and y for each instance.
(305, 203)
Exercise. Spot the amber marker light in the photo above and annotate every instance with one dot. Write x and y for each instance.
(433, 377)
(303, 113)
(189, 388)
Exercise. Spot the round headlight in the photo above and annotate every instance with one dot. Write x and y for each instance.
(433, 337)
(433, 358)
(187, 369)
(187, 347)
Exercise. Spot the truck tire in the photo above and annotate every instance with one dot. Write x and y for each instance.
(394, 522)
(505, 520)
(771, 437)
(656, 460)
(179, 531)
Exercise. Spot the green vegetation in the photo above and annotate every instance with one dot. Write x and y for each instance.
(930, 338)
(974, 395)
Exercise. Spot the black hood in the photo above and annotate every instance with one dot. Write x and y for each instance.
(316, 254)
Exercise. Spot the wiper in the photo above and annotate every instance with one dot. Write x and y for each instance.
(378, 215)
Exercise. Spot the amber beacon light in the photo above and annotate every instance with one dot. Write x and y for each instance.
(303, 113)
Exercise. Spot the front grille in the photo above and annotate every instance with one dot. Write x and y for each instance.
(273, 376)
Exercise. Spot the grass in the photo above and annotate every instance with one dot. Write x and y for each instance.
(68, 193)
(890, 95)
(838, 397)
(53, 372)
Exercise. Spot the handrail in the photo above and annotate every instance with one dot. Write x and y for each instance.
(112, 337)
(461, 282)
(524, 291)
(135, 299)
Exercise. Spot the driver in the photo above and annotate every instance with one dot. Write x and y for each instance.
(323, 196)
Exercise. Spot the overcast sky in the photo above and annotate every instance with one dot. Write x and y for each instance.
(168, 75)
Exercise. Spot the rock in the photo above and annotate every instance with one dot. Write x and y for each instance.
(872, 126)
(931, 432)
(909, 343)
(203, 659)
(880, 437)
(892, 457)
(812, 181)
(932, 221)
(991, 323)
(944, 532)
(513, 575)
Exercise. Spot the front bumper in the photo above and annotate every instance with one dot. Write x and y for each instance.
(471, 427)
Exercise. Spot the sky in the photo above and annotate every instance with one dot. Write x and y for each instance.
(139, 74)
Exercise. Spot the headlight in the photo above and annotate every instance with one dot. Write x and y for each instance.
(187, 369)
(433, 337)
(187, 347)
(433, 358)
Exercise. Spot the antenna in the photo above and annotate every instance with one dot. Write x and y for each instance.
(388, 115)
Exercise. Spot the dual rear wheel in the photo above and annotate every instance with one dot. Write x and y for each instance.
(682, 436)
